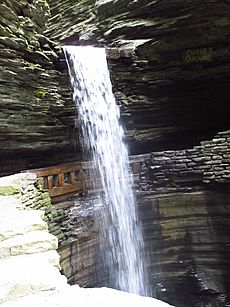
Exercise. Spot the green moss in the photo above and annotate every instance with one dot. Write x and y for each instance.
(225, 21)
(32, 67)
(45, 218)
(55, 213)
(9, 190)
(39, 94)
(45, 195)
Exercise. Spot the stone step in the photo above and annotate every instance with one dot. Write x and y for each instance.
(22, 275)
(50, 257)
(14, 223)
(29, 243)
(8, 204)
(10, 185)
(92, 297)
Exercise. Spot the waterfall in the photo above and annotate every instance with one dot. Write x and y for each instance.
(102, 134)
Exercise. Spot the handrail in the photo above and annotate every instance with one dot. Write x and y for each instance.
(62, 179)
(74, 177)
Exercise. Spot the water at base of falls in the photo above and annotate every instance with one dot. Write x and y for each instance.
(102, 135)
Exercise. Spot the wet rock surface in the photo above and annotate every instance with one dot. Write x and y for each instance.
(186, 231)
(187, 235)
(186, 223)
(171, 77)
(172, 80)
(30, 264)
(185, 218)
(79, 243)
(183, 197)
(34, 104)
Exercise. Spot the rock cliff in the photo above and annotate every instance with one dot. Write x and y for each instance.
(184, 205)
(172, 81)
(183, 202)
(34, 105)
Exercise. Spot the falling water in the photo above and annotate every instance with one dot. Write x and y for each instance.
(103, 136)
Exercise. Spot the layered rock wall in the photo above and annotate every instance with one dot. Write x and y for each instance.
(173, 91)
(172, 84)
(183, 198)
(207, 163)
(184, 210)
(35, 104)
(187, 236)
(29, 262)
(172, 87)
(71, 20)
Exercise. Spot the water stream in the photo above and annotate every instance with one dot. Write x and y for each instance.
(102, 135)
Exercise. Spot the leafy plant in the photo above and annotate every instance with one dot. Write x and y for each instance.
(39, 94)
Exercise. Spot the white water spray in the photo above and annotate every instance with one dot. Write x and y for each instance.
(103, 136)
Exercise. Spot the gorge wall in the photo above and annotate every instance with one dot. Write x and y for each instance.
(171, 79)
(183, 202)
(36, 119)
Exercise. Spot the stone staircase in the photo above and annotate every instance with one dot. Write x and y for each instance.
(28, 258)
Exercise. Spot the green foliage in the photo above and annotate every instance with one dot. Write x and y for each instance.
(32, 66)
(39, 94)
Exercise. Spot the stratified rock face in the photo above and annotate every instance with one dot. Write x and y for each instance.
(29, 263)
(28, 259)
(187, 235)
(34, 103)
(71, 20)
(174, 91)
(171, 81)
(184, 204)
(80, 246)
(183, 201)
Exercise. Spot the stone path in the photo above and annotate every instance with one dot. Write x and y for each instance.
(28, 258)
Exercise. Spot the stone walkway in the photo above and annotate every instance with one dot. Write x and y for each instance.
(28, 258)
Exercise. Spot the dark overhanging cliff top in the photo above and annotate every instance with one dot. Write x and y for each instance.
(173, 90)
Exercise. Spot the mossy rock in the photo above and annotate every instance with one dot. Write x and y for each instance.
(9, 190)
